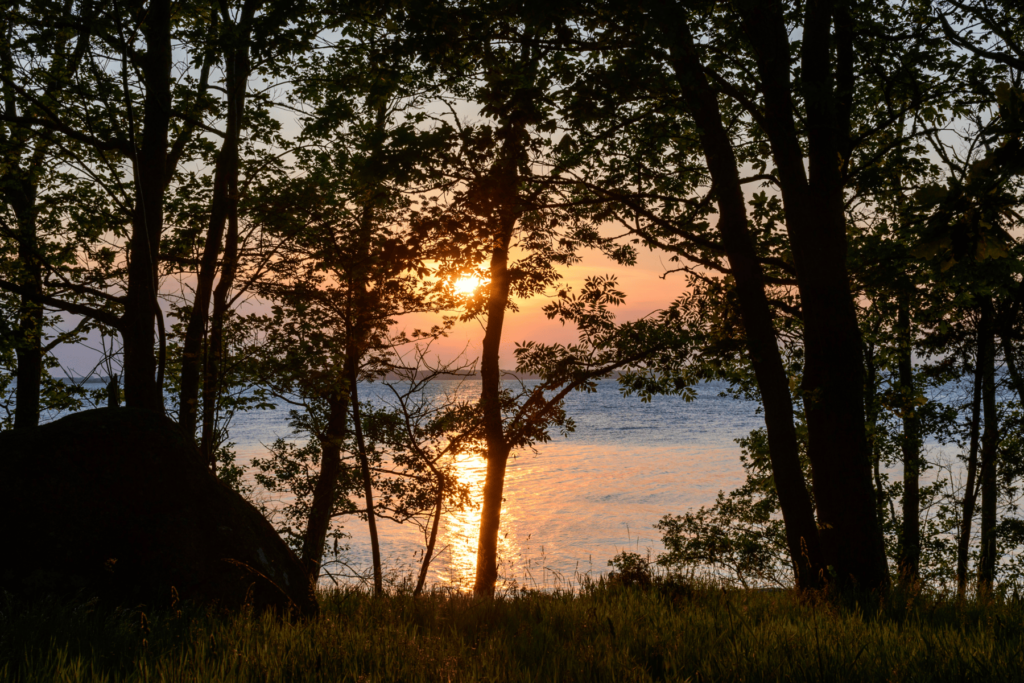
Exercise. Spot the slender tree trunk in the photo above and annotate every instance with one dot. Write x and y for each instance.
(833, 386)
(364, 465)
(215, 347)
(970, 490)
(321, 508)
(490, 522)
(503, 193)
(361, 322)
(910, 538)
(29, 372)
(497, 449)
(428, 552)
(196, 331)
(1011, 364)
(24, 163)
(871, 413)
(141, 389)
(989, 456)
(1012, 369)
(212, 369)
(29, 346)
(18, 190)
(797, 512)
(833, 382)
(223, 203)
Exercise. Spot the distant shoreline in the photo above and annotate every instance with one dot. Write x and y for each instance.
(448, 376)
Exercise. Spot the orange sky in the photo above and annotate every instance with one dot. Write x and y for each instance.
(645, 292)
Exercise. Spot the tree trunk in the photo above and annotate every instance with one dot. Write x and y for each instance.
(1012, 369)
(833, 382)
(833, 386)
(224, 202)
(773, 382)
(25, 162)
(871, 416)
(215, 346)
(503, 194)
(989, 455)
(490, 399)
(361, 322)
(364, 465)
(196, 332)
(29, 347)
(150, 168)
(321, 509)
(428, 552)
(910, 538)
(490, 522)
(967, 513)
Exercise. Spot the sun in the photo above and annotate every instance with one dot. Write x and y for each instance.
(466, 285)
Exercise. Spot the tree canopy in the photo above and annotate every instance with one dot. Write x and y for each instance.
(244, 198)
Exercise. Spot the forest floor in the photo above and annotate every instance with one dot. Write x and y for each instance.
(607, 632)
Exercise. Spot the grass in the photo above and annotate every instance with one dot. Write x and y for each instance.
(605, 632)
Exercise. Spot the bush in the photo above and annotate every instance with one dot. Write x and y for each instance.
(631, 569)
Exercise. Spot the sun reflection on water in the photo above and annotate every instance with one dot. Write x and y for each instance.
(461, 528)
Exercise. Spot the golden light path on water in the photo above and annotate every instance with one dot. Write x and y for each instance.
(456, 552)
(572, 505)
(461, 528)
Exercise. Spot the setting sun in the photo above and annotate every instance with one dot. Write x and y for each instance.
(467, 284)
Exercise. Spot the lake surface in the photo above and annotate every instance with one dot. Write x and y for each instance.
(577, 501)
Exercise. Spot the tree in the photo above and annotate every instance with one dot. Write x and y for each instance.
(835, 94)
(663, 40)
(252, 37)
(101, 115)
(21, 182)
(350, 267)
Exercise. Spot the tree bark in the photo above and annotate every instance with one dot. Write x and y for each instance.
(503, 199)
(150, 168)
(490, 399)
(428, 552)
(967, 512)
(989, 456)
(321, 508)
(910, 537)
(833, 382)
(871, 416)
(29, 347)
(215, 345)
(224, 202)
(364, 465)
(1012, 369)
(702, 104)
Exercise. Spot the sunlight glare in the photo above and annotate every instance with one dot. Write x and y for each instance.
(462, 529)
(467, 284)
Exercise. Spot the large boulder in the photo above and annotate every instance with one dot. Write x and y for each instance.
(116, 503)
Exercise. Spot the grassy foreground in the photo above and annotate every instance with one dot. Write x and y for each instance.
(604, 633)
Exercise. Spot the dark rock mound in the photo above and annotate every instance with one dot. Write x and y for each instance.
(116, 503)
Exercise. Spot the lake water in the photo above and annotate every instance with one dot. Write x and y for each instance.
(577, 501)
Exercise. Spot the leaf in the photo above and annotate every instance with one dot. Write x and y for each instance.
(931, 194)
(929, 248)
(990, 249)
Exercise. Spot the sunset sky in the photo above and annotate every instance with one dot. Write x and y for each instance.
(645, 292)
